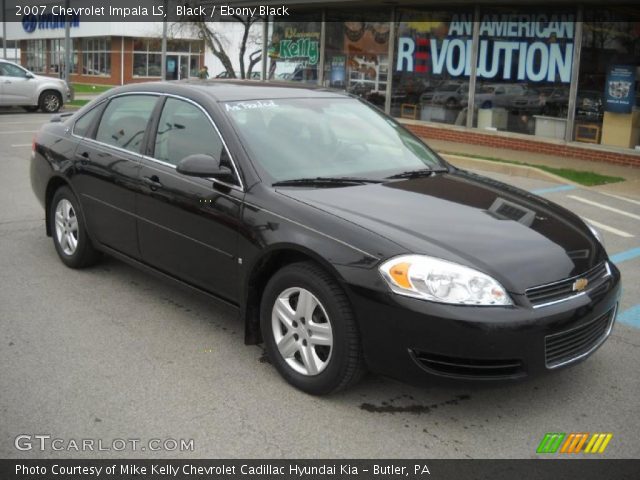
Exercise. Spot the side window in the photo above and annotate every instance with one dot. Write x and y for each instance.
(82, 125)
(9, 70)
(124, 121)
(185, 130)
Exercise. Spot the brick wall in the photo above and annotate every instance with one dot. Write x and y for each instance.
(522, 143)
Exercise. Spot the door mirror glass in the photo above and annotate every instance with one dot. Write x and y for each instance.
(29, 76)
(202, 165)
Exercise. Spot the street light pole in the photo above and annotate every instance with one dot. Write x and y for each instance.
(67, 45)
(4, 30)
(163, 68)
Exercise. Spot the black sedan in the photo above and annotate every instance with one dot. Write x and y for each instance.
(343, 241)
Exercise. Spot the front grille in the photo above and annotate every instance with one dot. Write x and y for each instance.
(571, 345)
(468, 367)
(563, 290)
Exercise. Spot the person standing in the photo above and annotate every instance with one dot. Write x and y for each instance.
(204, 73)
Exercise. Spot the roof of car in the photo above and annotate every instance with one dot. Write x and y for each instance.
(236, 90)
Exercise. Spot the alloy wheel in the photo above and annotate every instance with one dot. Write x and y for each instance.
(66, 223)
(51, 103)
(302, 331)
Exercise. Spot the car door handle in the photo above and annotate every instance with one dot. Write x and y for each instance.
(83, 157)
(153, 182)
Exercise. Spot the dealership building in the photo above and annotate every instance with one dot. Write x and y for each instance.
(560, 78)
(110, 53)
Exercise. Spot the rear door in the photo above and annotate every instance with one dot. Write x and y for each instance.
(188, 227)
(107, 163)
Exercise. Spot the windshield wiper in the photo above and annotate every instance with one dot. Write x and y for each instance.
(322, 181)
(424, 172)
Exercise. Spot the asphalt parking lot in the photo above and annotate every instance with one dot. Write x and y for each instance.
(113, 353)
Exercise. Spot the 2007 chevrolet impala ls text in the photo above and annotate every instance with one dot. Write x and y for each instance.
(344, 242)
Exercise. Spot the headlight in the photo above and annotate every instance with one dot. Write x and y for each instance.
(595, 231)
(437, 280)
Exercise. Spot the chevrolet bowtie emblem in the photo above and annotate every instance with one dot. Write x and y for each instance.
(580, 284)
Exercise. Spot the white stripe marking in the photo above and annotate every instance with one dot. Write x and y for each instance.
(18, 131)
(620, 197)
(605, 207)
(609, 229)
(21, 145)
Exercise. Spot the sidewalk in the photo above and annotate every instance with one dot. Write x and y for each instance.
(630, 187)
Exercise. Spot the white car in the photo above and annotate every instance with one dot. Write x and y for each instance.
(21, 88)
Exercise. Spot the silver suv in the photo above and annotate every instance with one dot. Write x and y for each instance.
(20, 87)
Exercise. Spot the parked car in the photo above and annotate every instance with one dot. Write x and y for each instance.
(513, 97)
(450, 95)
(21, 88)
(342, 240)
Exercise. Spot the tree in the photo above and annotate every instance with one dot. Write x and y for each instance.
(216, 40)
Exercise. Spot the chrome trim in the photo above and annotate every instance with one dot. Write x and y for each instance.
(588, 352)
(566, 280)
(239, 188)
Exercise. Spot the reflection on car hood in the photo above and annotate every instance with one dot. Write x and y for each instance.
(521, 239)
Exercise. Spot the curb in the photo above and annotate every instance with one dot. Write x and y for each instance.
(526, 171)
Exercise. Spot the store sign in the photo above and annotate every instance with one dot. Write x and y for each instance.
(48, 21)
(620, 95)
(536, 48)
(306, 48)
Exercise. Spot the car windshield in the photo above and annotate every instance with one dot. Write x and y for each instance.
(326, 137)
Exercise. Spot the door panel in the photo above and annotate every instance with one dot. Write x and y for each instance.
(15, 87)
(108, 171)
(188, 226)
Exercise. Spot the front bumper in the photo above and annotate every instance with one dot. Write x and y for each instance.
(411, 339)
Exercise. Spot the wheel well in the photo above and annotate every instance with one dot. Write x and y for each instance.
(54, 184)
(52, 90)
(266, 267)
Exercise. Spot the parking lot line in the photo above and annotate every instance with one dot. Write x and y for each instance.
(607, 228)
(21, 145)
(626, 255)
(631, 316)
(605, 207)
(18, 131)
(620, 197)
(561, 188)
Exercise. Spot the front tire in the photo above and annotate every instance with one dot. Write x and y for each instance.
(310, 330)
(50, 101)
(69, 233)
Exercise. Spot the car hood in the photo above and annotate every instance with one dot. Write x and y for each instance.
(520, 239)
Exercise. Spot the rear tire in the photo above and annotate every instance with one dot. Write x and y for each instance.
(68, 231)
(310, 330)
(50, 101)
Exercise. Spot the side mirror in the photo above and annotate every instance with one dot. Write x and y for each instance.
(29, 76)
(201, 165)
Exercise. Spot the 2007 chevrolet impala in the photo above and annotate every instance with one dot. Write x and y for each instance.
(345, 243)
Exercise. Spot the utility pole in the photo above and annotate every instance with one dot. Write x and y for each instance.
(4, 30)
(163, 69)
(67, 44)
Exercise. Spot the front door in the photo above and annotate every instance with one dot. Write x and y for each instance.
(187, 226)
(16, 88)
(173, 67)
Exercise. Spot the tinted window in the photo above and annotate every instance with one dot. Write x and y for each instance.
(185, 130)
(9, 70)
(83, 123)
(125, 120)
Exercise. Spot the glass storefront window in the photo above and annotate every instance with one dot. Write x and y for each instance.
(608, 101)
(524, 71)
(147, 57)
(357, 53)
(294, 49)
(36, 55)
(431, 66)
(57, 57)
(96, 56)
